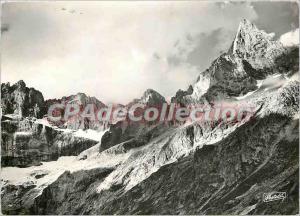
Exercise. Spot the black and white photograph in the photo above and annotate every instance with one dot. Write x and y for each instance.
(149, 107)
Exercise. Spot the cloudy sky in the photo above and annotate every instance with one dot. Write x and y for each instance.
(116, 50)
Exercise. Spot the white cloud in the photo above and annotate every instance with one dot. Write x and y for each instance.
(290, 38)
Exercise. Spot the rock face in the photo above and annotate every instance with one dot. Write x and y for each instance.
(210, 167)
(27, 143)
(82, 181)
(21, 100)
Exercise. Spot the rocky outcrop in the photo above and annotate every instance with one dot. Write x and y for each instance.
(21, 100)
(17, 199)
(118, 141)
(27, 143)
(65, 185)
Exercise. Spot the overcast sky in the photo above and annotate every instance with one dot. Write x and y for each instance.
(116, 50)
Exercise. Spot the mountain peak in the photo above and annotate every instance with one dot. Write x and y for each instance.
(20, 84)
(247, 35)
(255, 45)
(246, 24)
(149, 97)
(150, 92)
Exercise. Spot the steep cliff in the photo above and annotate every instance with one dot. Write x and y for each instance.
(21, 100)
(27, 142)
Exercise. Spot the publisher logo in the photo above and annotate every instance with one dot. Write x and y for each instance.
(272, 196)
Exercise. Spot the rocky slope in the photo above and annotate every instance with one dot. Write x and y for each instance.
(206, 167)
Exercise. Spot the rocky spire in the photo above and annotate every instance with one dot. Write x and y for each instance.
(255, 45)
(247, 35)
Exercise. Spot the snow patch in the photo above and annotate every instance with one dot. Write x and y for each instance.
(19, 176)
(89, 134)
(259, 84)
(43, 122)
(246, 95)
(12, 116)
(23, 133)
(248, 209)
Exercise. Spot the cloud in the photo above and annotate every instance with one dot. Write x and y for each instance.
(290, 38)
(278, 17)
(210, 46)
